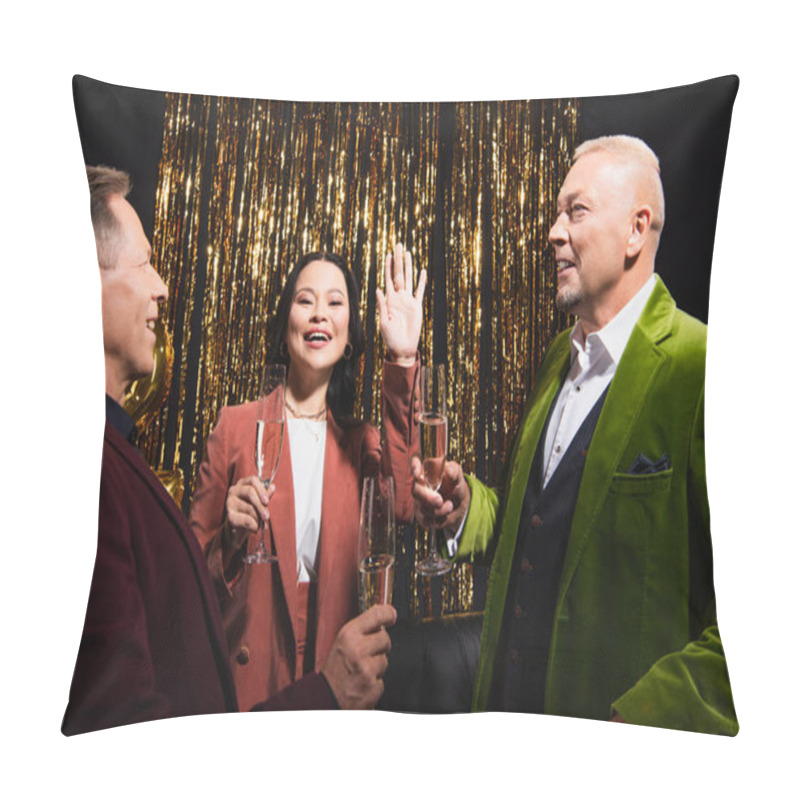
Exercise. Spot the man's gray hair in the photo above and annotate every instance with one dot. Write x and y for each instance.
(104, 183)
(635, 153)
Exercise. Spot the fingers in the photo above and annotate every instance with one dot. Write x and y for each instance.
(376, 619)
(358, 660)
(242, 518)
(399, 275)
(383, 311)
(453, 483)
(388, 278)
(441, 519)
(423, 279)
(376, 645)
(455, 487)
(446, 508)
(399, 270)
(246, 503)
(369, 630)
(409, 270)
(431, 510)
(420, 489)
(255, 482)
(427, 499)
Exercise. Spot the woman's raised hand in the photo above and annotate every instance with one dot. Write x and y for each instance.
(246, 507)
(400, 307)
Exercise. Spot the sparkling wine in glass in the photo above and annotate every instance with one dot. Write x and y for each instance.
(376, 542)
(268, 443)
(433, 451)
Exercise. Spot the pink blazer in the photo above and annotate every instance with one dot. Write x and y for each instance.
(259, 603)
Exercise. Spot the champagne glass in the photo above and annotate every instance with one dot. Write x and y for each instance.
(269, 441)
(433, 451)
(376, 542)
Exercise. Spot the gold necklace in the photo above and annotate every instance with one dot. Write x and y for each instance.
(297, 415)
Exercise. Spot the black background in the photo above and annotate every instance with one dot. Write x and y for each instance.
(687, 127)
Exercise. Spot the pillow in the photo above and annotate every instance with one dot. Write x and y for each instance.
(231, 192)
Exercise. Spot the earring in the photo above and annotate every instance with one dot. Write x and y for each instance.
(348, 351)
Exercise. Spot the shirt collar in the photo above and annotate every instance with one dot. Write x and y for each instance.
(614, 336)
(121, 420)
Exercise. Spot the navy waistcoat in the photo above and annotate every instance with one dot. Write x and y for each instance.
(536, 572)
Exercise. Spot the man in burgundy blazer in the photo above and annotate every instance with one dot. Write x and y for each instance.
(152, 643)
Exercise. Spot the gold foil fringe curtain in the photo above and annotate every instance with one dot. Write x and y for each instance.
(509, 161)
(246, 187)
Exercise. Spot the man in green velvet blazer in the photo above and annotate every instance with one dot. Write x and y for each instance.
(629, 627)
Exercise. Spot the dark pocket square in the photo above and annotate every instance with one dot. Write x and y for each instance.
(642, 465)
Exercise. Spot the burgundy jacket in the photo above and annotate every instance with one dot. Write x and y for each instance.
(152, 643)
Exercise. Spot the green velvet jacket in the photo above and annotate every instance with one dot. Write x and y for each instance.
(635, 629)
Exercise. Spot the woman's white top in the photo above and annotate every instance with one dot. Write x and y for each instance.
(307, 446)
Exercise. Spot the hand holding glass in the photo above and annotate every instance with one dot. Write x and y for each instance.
(376, 542)
(268, 443)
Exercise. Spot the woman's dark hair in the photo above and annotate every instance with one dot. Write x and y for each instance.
(342, 388)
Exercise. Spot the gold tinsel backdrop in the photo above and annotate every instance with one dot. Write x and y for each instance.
(246, 187)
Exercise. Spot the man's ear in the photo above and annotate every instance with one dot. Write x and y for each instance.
(640, 228)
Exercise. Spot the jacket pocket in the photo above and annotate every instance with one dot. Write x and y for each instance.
(623, 483)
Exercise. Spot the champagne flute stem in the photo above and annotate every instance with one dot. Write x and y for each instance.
(261, 527)
(432, 543)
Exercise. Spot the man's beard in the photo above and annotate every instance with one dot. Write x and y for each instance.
(568, 298)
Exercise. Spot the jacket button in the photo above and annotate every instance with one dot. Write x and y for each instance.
(536, 521)
(525, 565)
(243, 656)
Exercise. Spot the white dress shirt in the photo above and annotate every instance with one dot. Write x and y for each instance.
(307, 446)
(593, 362)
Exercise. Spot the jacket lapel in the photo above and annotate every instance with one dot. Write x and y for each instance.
(282, 521)
(337, 544)
(627, 397)
(548, 383)
(534, 417)
(193, 550)
(138, 463)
